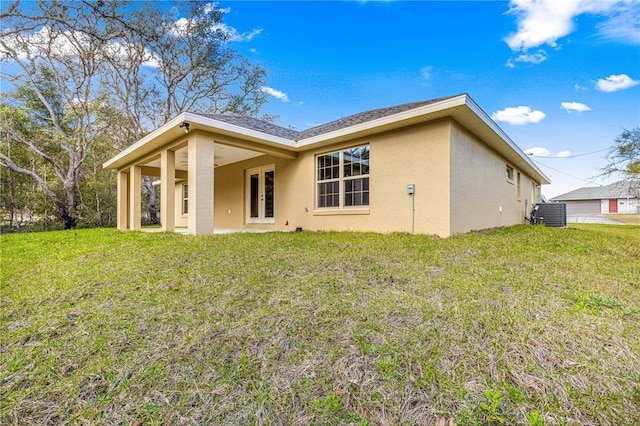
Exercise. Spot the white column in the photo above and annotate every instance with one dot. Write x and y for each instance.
(135, 198)
(201, 191)
(123, 200)
(168, 189)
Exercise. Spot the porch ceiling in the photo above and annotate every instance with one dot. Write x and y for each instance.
(223, 155)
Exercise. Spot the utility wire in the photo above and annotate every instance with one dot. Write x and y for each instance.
(571, 156)
(566, 174)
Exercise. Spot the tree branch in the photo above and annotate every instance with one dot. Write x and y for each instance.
(43, 185)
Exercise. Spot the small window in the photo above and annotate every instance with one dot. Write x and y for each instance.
(343, 178)
(509, 173)
(519, 186)
(185, 199)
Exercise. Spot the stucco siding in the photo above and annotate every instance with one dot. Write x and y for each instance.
(413, 155)
(460, 185)
(417, 155)
(481, 195)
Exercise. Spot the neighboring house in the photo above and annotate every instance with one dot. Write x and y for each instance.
(353, 174)
(618, 197)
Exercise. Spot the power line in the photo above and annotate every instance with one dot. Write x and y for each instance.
(571, 156)
(566, 174)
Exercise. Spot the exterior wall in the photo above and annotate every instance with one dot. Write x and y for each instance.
(414, 155)
(585, 206)
(460, 185)
(181, 220)
(627, 206)
(481, 195)
(417, 154)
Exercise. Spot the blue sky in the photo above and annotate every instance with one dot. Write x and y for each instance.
(562, 78)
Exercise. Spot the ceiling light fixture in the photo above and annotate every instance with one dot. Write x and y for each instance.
(186, 127)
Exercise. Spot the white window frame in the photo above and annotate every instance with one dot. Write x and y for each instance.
(341, 179)
(185, 200)
(509, 173)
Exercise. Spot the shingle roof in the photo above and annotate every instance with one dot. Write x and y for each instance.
(255, 124)
(342, 123)
(621, 189)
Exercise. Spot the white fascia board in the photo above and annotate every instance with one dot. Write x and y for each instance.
(389, 119)
(497, 130)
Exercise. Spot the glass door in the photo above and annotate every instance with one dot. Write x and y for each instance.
(260, 194)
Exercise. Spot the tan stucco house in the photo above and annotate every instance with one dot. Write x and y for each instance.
(435, 167)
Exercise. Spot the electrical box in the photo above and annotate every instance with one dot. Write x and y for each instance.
(411, 188)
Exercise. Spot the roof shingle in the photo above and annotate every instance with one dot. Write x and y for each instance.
(620, 189)
(294, 135)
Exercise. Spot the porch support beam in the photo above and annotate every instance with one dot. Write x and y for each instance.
(253, 146)
(200, 169)
(123, 200)
(168, 189)
(155, 172)
(135, 198)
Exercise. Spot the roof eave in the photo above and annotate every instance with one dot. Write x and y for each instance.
(389, 122)
(497, 130)
(170, 131)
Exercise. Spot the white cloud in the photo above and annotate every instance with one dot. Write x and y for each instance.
(66, 44)
(578, 87)
(564, 154)
(234, 35)
(519, 115)
(182, 25)
(59, 43)
(623, 25)
(574, 106)
(546, 21)
(275, 93)
(425, 72)
(534, 58)
(615, 82)
(537, 151)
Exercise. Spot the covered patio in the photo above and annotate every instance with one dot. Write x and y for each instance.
(186, 150)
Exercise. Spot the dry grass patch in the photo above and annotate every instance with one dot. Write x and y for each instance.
(527, 325)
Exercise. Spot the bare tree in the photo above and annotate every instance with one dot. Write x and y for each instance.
(153, 60)
(58, 69)
(624, 157)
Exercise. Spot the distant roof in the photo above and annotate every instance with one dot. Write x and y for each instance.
(620, 189)
(294, 135)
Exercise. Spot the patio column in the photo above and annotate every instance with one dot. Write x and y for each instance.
(200, 172)
(135, 199)
(123, 200)
(168, 189)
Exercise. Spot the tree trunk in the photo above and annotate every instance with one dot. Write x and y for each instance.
(152, 209)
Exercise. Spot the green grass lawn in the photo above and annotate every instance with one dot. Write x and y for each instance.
(527, 325)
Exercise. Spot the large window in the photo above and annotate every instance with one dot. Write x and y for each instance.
(343, 178)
